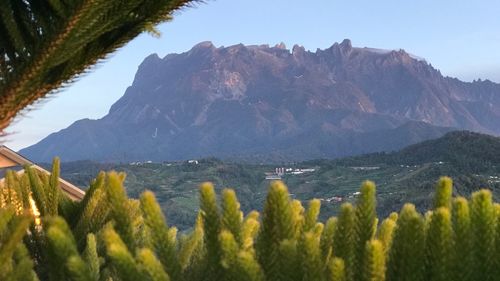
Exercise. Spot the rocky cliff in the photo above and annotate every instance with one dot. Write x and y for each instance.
(275, 104)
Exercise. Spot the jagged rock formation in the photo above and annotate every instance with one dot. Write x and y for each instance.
(272, 103)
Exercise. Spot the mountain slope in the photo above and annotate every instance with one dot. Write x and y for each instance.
(274, 103)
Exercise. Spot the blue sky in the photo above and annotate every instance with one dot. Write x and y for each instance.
(461, 38)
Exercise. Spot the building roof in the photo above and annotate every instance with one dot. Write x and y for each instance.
(11, 160)
(3, 171)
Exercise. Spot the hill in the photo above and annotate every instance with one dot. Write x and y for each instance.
(407, 175)
(272, 104)
(464, 150)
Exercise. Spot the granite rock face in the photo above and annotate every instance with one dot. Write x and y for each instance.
(275, 104)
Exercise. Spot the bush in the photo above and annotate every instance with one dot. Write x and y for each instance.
(108, 236)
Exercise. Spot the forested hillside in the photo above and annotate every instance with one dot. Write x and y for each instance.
(404, 176)
(467, 151)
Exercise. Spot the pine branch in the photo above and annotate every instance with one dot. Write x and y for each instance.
(44, 45)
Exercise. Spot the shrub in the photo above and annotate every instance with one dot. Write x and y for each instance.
(108, 236)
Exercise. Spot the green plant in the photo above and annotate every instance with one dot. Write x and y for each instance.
(108, 236)
(44, 44)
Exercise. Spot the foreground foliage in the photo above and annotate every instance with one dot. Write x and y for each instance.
(46, 43)
(108, 236)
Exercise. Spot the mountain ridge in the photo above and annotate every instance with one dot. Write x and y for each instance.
(259, 100)
(474, 151)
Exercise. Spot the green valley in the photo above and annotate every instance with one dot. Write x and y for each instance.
(408, 175)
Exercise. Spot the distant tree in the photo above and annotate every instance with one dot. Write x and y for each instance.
(46, 44)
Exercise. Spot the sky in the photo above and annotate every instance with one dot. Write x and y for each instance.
(459, 37)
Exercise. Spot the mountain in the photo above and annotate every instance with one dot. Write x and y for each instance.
(274, 104)
(407, 175)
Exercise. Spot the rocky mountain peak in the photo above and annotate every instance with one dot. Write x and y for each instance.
(153, 58)
(274, 103)
(281, 46)
(202, 48)
(298, 49)
(345, 47)
(204, 45)
(346, 44)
